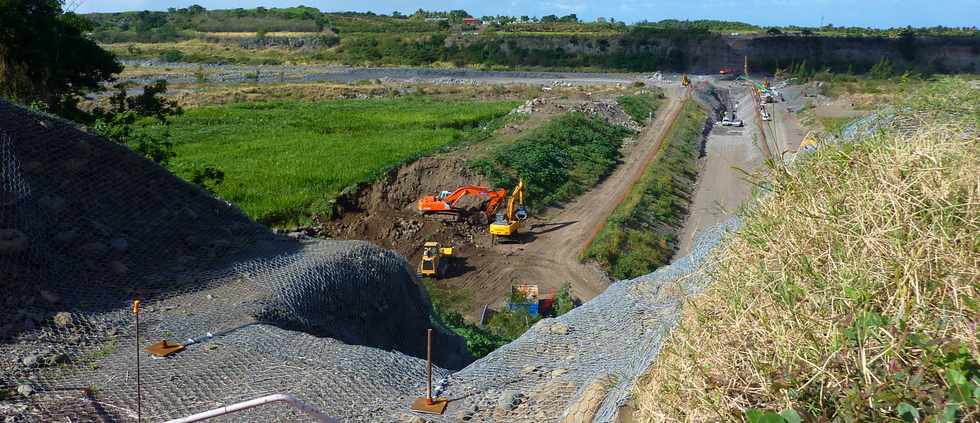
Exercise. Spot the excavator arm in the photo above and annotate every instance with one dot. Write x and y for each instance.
(445, 203)
(516, 202)
(463, 191)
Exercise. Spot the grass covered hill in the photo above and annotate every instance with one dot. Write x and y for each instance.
(850, 292)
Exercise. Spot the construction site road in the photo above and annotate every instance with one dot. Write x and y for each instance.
(731, 156)
(548, 253)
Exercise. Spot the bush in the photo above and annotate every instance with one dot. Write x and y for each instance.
(641, 106)
(564, 302)
(171, 55)
(558, 160)
(511, 324)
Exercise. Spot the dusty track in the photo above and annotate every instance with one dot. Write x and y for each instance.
(723, 185)
(548, 254)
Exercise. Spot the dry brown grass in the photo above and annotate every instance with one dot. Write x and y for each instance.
(322, 91)
(849, 294)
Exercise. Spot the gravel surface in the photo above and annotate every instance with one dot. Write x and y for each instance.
(146, 72)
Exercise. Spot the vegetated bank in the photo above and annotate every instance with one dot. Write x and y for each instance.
(559, 160)
(850, 292)
(285, 161)
(641, 106)
(640, 235)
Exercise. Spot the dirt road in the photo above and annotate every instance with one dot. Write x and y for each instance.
(549, 253)
(730, 154)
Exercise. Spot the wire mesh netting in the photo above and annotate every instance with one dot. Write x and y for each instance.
(86, 226)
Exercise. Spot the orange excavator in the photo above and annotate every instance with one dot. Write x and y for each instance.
(445, 205)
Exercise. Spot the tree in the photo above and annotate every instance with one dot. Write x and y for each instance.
(44, 56)
(569, 18)
(511, 324)
(564, 302)
(882, 70)
(774, 31)
(549, 19)
(116, 123)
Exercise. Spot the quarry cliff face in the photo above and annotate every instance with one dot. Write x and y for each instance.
(706, 53)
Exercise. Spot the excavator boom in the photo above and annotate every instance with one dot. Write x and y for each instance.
(445, 203)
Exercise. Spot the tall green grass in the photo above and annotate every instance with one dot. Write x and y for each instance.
(284, 161)
(641, 106)
(640, 234)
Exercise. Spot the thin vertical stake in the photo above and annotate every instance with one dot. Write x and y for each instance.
(429, 359)
(139, 394)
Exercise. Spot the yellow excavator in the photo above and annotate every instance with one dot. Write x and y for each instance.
(508, 222)
(434, 260)
(685, 81)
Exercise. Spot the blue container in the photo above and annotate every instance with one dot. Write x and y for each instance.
(532, 308)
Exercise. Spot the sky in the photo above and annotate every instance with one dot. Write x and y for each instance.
(865, 13)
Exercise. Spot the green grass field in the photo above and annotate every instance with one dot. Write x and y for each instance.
(285, 161)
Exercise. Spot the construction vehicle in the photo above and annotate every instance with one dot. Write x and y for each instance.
(727, 121)
(809, 142)
(445, 204)
(765, 113)
(508, 222)
(435, 260)
(685, 81)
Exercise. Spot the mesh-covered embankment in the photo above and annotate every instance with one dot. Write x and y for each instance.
(87, 225)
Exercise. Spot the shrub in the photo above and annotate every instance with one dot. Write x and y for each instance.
(171, 55)
(640, 106)
(558, 160)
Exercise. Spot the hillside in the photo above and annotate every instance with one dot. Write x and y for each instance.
(849, 293)
(307, 35)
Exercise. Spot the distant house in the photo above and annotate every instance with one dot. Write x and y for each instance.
(472, 21)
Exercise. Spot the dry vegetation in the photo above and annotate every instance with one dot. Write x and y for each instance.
(325, 91)
(850, 292)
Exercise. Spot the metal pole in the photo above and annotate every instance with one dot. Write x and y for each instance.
(139, 394)
(429, 359)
